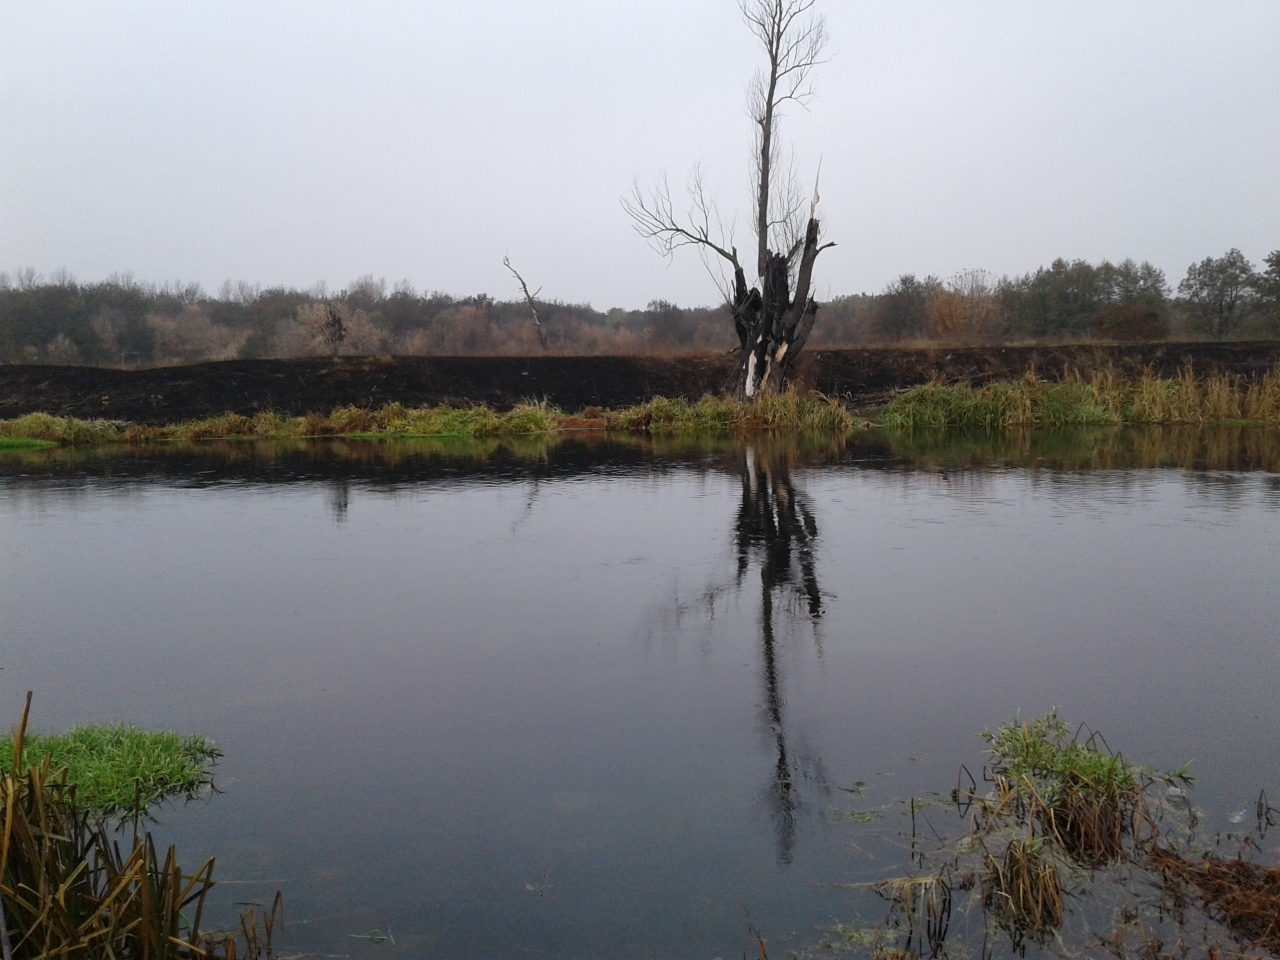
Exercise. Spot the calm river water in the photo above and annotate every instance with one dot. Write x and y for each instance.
(604, 698)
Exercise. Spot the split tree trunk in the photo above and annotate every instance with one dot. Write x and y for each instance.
(774, 322)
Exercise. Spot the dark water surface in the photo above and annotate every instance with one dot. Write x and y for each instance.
(595, 698)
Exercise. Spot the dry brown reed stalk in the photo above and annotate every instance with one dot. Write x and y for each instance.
(1263, 400)
(1022, 892)
(1092, 820)
(1242, 895)
(923, 905)
(1216, 398)
(68, 891)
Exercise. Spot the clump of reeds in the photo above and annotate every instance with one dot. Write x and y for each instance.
(1088, 799)
(792, 410)
(120, 769)
(663, 416)
(800, 410)
(1000, 404)
(1066, 815)
(1022, 891)
(1102, 398)
(923, 906)
(68, 890)
(63, 430)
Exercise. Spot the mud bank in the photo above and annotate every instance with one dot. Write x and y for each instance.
(297, 387)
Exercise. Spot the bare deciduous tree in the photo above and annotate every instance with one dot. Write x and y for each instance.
(773, 319)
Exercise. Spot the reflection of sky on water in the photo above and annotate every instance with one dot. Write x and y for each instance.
(639, 689)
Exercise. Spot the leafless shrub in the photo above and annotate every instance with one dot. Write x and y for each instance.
(61, 350)
(329, 329)
(191, 337)
(965, 308)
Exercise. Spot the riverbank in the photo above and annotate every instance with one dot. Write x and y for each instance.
(294, 388)
(1100, 399)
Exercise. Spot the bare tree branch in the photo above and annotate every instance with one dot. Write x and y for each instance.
(654, 219)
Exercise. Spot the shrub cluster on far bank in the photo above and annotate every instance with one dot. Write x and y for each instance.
(121, 322)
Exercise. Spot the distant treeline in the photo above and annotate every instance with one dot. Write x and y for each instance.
(121, 322)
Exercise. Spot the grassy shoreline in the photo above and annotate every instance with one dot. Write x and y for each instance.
(1100, 399)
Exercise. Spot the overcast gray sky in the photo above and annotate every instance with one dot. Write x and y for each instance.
(288, 143)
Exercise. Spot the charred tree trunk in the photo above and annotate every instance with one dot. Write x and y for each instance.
(774, 322)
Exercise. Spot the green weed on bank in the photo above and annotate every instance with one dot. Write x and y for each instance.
(390, 420)
(118, 769)
(710, 415)
(791, 410)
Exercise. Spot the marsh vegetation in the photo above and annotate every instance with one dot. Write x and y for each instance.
(1068, 848)
(1099, 399)
(80, 878)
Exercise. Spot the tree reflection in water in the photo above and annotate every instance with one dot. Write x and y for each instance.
(339, 500)
(775, 530)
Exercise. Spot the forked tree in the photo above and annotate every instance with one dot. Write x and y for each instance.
(774, 317)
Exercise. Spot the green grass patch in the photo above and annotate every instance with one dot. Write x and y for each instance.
(24, 443)
(119, 769)
(1044, 749)
(791, 410)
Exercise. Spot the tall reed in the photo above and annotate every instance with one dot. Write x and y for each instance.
(1102, 398)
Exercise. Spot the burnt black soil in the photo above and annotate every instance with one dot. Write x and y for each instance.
(296, 387)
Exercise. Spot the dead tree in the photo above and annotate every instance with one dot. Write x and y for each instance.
(528, 297)
(773, 319)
